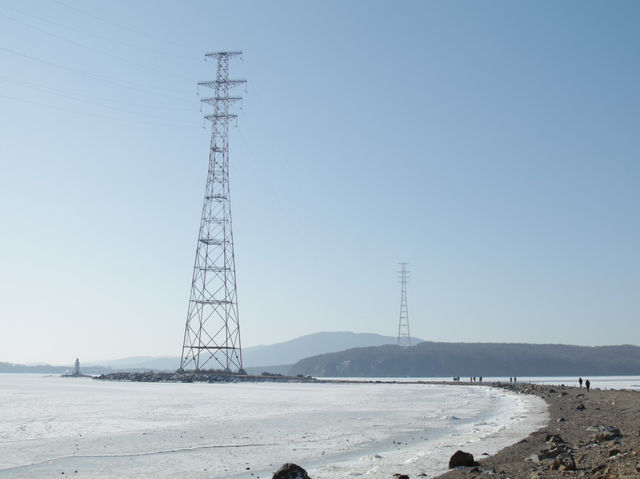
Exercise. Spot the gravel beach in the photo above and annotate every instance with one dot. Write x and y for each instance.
(594, 434)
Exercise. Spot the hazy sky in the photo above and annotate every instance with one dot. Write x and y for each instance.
(493, 145)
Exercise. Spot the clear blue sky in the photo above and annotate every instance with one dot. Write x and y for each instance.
(493, 145)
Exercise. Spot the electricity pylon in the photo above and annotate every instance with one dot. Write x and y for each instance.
(212, 331)
(404, 336)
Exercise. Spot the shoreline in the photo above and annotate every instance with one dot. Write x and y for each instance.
(589, 434)
(594, 434)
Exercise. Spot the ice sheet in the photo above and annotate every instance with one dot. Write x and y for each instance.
(50, 425)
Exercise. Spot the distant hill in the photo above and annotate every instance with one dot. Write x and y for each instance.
(430, 359)
(279, 356)
(289, 352)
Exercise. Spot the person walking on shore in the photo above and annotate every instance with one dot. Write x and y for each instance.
(580, 381)
(587, 384)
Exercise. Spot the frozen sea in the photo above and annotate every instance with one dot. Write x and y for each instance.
(92, 429)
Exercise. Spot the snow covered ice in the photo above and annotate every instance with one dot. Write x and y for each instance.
(94, 429)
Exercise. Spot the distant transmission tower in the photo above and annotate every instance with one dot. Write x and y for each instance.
(212, 332)
(404, 336)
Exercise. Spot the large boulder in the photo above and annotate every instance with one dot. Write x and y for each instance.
(290, 471)
(462, 459)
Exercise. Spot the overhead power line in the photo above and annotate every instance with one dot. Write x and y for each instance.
(93, 76)
(113, 39)
(90, 99)
(150, 36)
(95, 50)
(97, 115)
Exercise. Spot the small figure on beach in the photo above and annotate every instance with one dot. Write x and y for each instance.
(587, 384)
(480, 379)
(580, 381)
(510, 380)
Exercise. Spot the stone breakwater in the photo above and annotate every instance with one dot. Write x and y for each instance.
(199, 376)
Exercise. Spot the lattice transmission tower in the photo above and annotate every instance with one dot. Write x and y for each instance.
(212, 331)
(404, 336)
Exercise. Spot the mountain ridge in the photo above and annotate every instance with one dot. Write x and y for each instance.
(436, 359)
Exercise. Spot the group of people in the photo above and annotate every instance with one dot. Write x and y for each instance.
(512, 380)
(587, 384)
(472, 379)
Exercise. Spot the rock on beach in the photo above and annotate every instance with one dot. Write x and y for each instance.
(462, 459)
(290, 471)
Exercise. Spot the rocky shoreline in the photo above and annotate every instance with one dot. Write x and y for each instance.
(593, 434)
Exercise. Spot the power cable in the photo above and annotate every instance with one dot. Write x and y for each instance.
(67, 27)
(88, 99)
(96, 115)
(123, 27)
(93, 76)
(95, 50)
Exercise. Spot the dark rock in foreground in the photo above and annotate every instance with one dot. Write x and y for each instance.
(462, 459)
(290, 471)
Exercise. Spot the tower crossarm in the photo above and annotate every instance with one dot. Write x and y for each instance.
(217, 55)
(218, 83)
(226, 99)
(218, 116)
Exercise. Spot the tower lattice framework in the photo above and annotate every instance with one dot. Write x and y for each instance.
(212, 331)
(404, 335)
